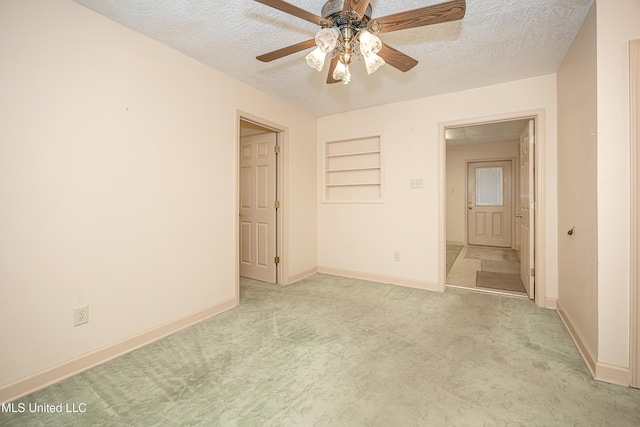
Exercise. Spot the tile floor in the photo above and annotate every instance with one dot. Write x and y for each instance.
(480, 258)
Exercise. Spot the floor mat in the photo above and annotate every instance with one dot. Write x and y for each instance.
(500, 266)
(502, 281)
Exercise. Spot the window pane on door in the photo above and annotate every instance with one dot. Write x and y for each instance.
(489, 187)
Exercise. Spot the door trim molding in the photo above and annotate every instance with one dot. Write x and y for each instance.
(540, 244)
(634, 295)
(282, 140)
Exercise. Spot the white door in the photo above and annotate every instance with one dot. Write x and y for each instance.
(489, 206)
(527, 211)
(257, 207)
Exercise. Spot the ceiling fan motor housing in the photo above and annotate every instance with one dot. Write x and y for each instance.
(333, 9)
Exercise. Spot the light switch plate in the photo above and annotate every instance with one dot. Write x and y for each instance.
(416, 183)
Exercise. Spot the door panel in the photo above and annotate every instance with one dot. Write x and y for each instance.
(480, 219)
(257, 209)
(245, 243)
(489, 203)
(245, 187)
(262, 185)
(526, 215)
(497, 224)
(262, 246)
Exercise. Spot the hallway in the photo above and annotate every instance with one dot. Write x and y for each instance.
(487, 269)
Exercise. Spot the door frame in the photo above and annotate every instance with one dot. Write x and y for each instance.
(539, 156)
(282, 141)
(514, 186)
(634, 285)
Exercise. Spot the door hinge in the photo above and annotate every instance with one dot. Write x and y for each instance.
(533, 272)
(276, 260)
(276, 204)
(276, 149)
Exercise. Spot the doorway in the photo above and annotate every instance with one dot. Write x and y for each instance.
(489, 232)
(258, 201)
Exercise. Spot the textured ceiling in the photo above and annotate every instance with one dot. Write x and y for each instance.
(497, 41)
(506, 131)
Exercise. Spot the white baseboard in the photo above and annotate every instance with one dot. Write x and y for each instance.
(72, 367)
(613, 374)
(586, 353)
(551, 303)
(456, 243)
(600, 371)
(300, 276)
(400, 281)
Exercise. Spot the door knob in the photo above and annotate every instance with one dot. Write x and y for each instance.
(518, 215)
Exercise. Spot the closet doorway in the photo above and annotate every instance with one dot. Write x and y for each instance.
(260, 231)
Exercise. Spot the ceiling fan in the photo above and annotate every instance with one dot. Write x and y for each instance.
(348, 32)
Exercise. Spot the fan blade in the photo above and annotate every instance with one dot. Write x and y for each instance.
(429, 15)
(332, 67)
(397, 59)
(280, 53)
(357, 6)
(295, 11)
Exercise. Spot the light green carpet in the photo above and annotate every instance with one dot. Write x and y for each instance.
(331, 351)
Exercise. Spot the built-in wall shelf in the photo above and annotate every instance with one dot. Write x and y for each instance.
(353, 185)
(358, 153)
(352, 170)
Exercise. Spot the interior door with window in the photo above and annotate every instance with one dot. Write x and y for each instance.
(527, 212)
(257, 207)
(489, 207)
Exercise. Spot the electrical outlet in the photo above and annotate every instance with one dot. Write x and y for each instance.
(396, 256)
(80, 315)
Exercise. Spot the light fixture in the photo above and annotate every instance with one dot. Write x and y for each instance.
(341, 72)
(326, 41)
(316, 59)
(370, 45)
(346, 41)
(373, 62)
(348, 31)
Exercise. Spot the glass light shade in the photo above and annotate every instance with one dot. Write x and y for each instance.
(339, 71)
(369, 43)
(316, 59)
(347, 75)
(373, 62)
(327, 38)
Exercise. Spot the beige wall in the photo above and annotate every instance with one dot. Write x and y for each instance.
(577, 185)
(118, 183)
(593, 107)
(457, 157)
(363, 237)
(617, 24)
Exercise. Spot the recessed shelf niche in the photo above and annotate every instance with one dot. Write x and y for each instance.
(352, 171)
